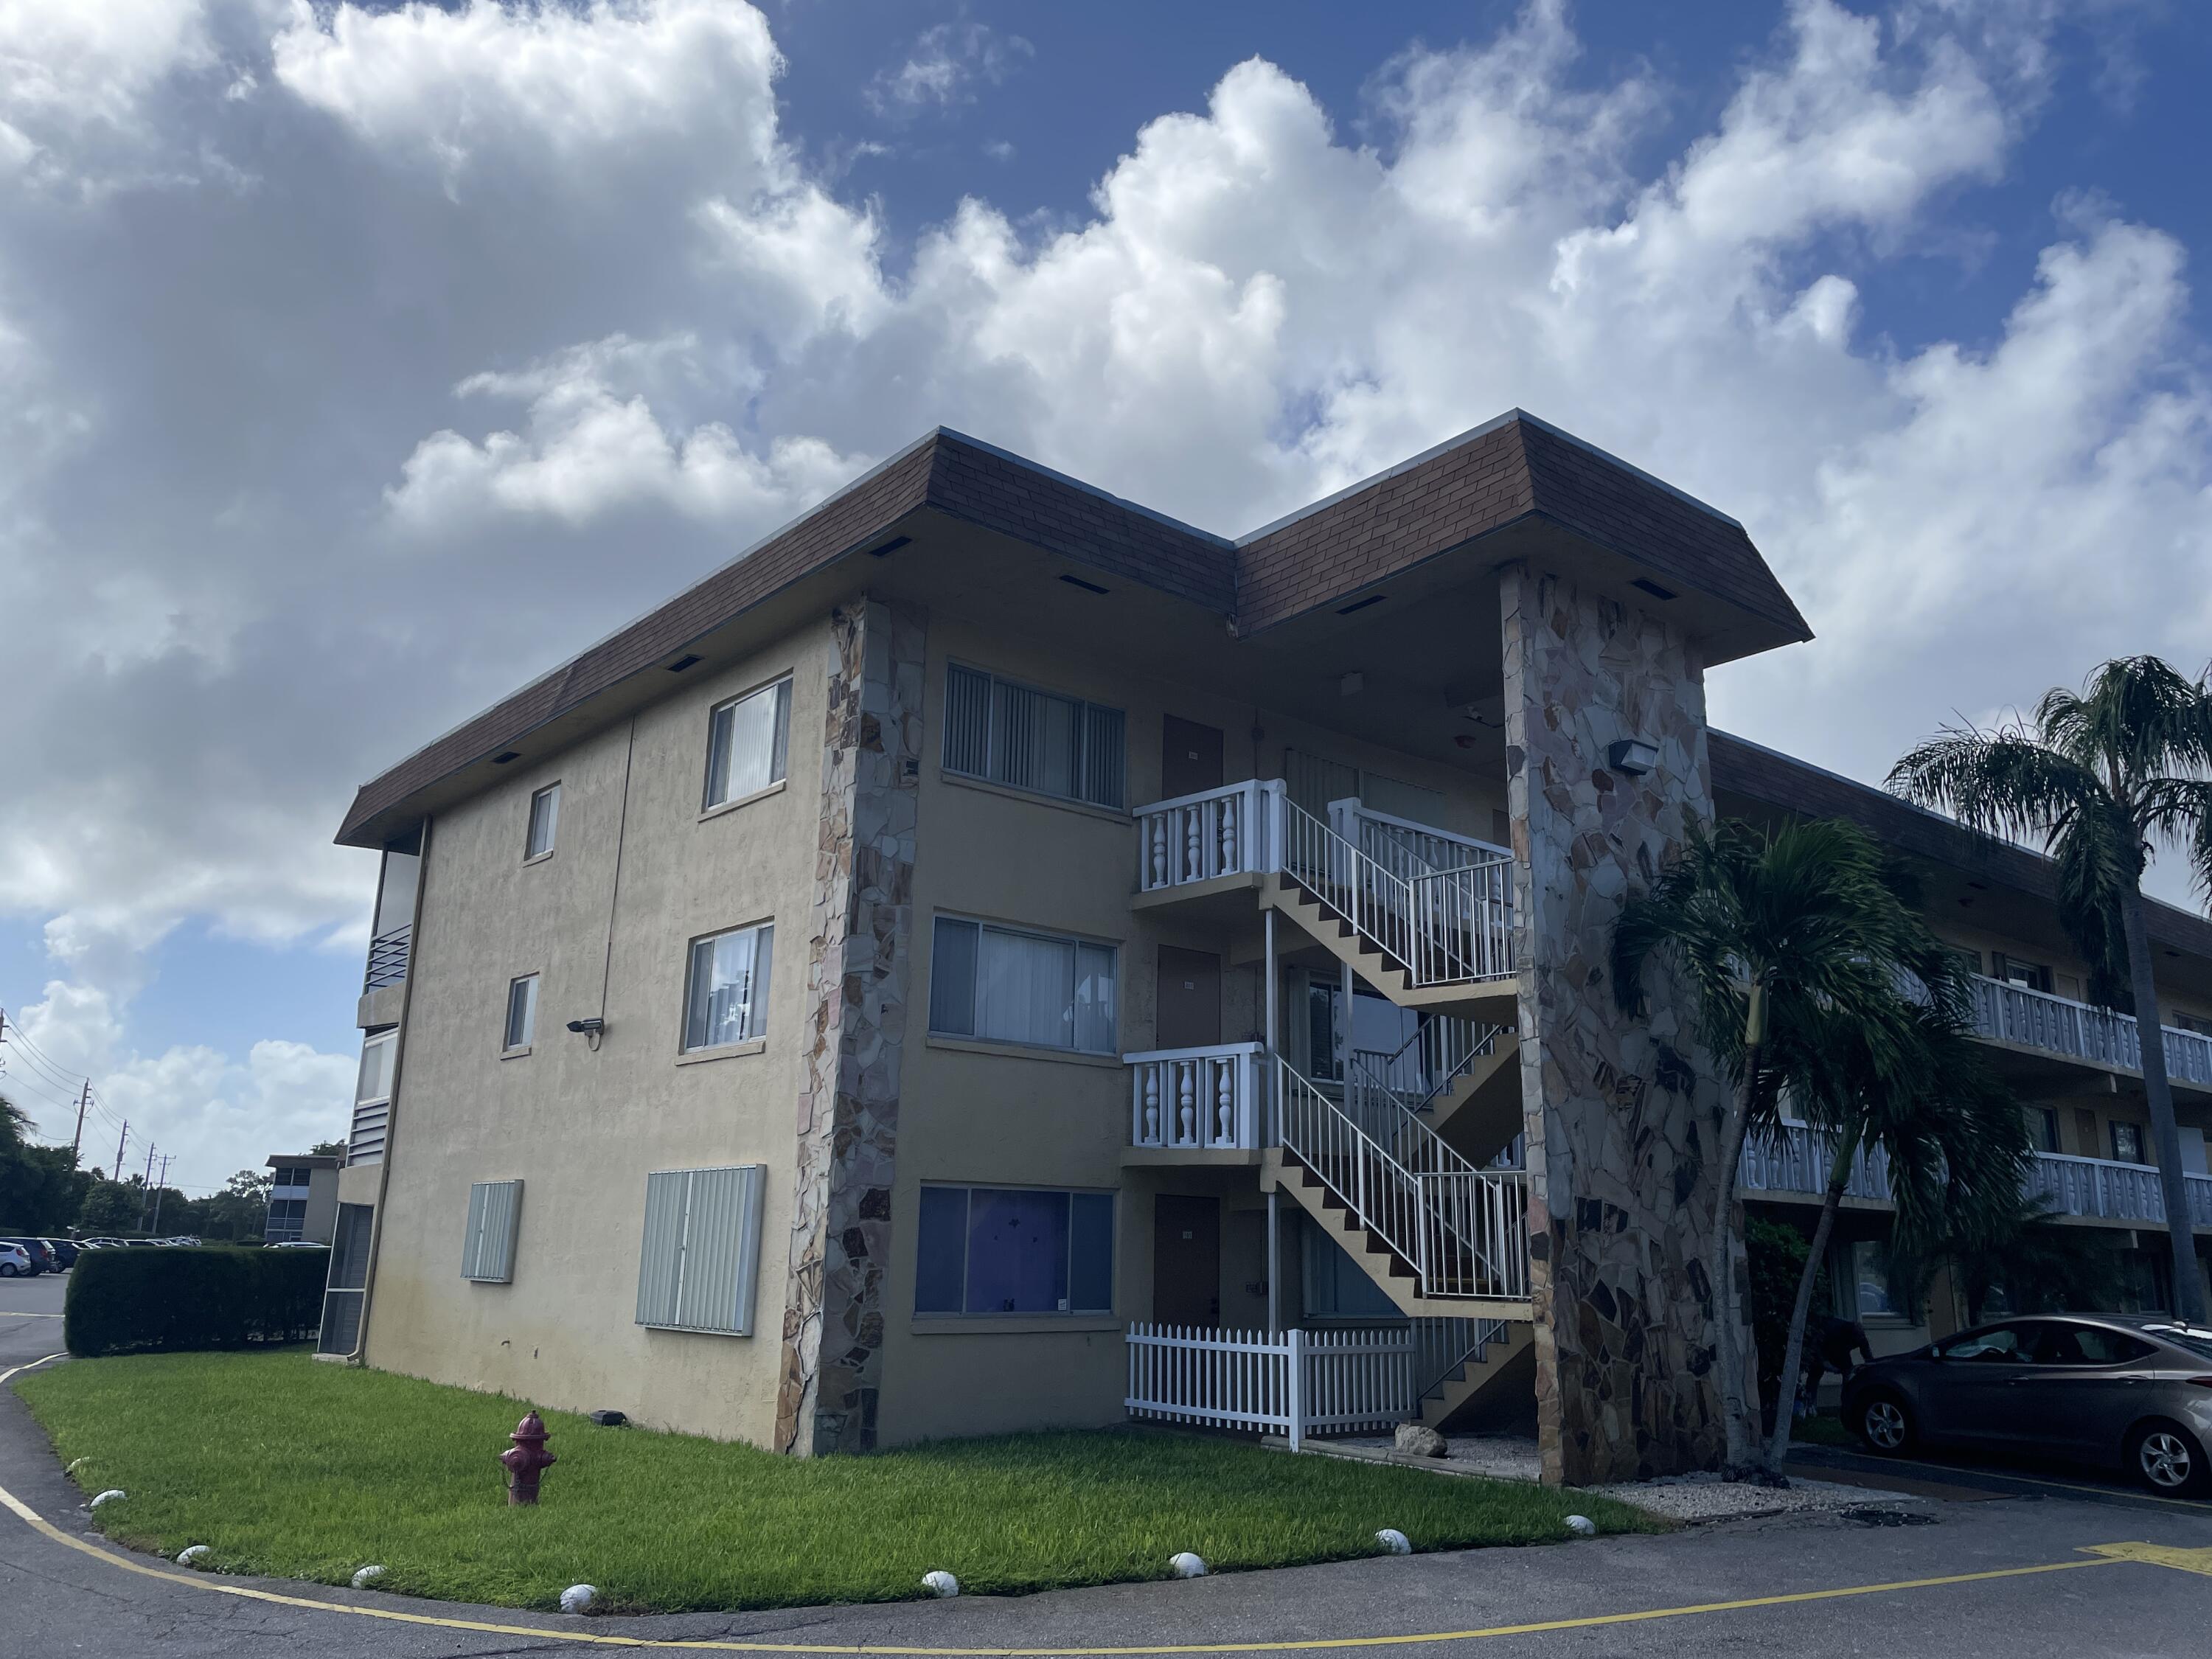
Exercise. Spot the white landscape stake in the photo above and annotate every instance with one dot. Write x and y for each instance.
(578, 1598)
(191, 1555)
(109, 1497)
(940, 1583)
(1186, 1565)
(367, 1576)
(1582, 1526)
(1394, 1542)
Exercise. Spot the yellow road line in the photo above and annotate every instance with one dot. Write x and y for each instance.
(2109, 1555)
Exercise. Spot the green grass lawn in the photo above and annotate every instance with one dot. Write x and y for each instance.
(293, 1469)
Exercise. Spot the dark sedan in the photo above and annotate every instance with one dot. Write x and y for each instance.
(2102, 1389)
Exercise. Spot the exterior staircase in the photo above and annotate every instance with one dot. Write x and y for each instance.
(1498, 1364)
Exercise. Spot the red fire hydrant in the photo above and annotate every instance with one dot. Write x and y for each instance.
(526, 1459)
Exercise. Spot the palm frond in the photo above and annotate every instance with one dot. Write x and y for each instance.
(2005, 782)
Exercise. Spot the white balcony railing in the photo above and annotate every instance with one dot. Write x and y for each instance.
(2059, 1025)
(1217, 832)
(1196, 1099)
(1799, 1161)
(1294, 1382)
(2114, 1192)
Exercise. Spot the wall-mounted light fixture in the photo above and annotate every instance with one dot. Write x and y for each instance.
(1632, 756)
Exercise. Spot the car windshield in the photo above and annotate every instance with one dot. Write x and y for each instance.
(2181, 1336)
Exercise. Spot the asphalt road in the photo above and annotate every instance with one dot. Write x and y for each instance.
(1860, 1588)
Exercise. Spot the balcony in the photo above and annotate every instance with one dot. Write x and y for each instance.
(2092, 1188)
(2035, 1020)
(1437, 906)
(387, 959)
(1197, 1100)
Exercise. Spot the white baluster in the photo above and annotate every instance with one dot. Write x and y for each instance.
(1186, 1109)
(1193, 869)
(1228, 860)
(1227, 1109)
(1159, 849)
(1152, 1105)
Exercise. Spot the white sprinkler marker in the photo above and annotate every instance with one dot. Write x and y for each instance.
(75, 1464)
(109, 1497)
(1582, 1526)
(191, 1555)
(940, 1583)
(578, 1598)
(1186, 1565)
(367, 1576)
(1394, 1542)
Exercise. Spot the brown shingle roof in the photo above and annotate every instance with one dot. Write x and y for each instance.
(1512, 468)
(1743, 767)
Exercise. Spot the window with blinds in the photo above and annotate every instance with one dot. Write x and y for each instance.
(344, 1291)
(487, 1246)
(1004, 986)
(700, 1265)
(1027, 739)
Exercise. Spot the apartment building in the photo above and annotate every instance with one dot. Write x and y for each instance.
(303, 1198)
(990, 931)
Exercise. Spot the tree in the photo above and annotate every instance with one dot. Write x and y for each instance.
(1766, 930)
(1921, 1092)
(327, 1149)
(112, 1207)
(41, 1187)
(2027, 1262)
(2102, 777)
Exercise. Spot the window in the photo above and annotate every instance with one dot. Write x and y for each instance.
(1031, 739)
(1870, 1279)
(2028, 976)
(726, 999)
(1003, 986)
(521, 1013)
(372, 1101)
(488, 1241)
(2087, 1345)
(287, 1219)
(1014, 1250)
(700, 1258)
(2043, 1127)
(2004, 1345)
(1335, 1286)
(544, 816)
(748, 740)
(2128, 1143)
(341, 1296)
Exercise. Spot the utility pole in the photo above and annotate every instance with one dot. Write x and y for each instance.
(123, 1136)
(158, 1191)
(146, 1191)
(83, 1100)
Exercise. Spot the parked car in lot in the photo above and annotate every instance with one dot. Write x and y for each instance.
(42, 1259)
(65, 1251)
(2109, 1389)
(15, 1261)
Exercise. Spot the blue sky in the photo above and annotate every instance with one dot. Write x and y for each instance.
(357, 364)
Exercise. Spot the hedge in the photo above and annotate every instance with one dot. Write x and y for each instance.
(173, 1298)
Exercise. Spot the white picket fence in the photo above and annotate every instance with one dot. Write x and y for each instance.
(1296, 1383)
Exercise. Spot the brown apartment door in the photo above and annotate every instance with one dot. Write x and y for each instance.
(1189, 999)
(1190, 758)
(1186, 1259)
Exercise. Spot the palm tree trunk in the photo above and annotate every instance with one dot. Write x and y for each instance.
(1728, 1350)
(1793, 1353)
(2188, 1282)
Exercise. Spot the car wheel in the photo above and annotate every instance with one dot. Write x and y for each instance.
(1885, 1423)
(2166, 1457)
(7, 1270)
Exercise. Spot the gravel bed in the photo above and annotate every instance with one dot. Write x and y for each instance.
(1692, 1499)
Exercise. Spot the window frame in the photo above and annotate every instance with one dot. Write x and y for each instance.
(1081, 761)
(531, 852)
(507, 1047)
(388, 1038)
(970, 1188)
(1078, 942)
(756, 1003)
(2133, 1130)
(779, 686)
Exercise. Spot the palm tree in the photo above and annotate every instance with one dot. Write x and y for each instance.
(1925, 1095)
(2101, 777)
(1768, 930)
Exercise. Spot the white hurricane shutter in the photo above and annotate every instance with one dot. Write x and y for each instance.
(699, 1266)
(488, 1247)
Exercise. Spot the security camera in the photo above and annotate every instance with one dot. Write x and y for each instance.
(587, 1027)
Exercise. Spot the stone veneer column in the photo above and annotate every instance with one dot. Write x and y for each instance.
(855, 1030)
(1621, 1113)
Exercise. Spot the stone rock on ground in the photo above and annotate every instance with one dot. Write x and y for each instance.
(1419, 1440)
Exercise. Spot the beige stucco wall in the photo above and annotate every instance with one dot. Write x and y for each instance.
(582, 1130)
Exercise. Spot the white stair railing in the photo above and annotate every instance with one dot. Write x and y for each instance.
(1441, 1346)
(1463, 1231)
